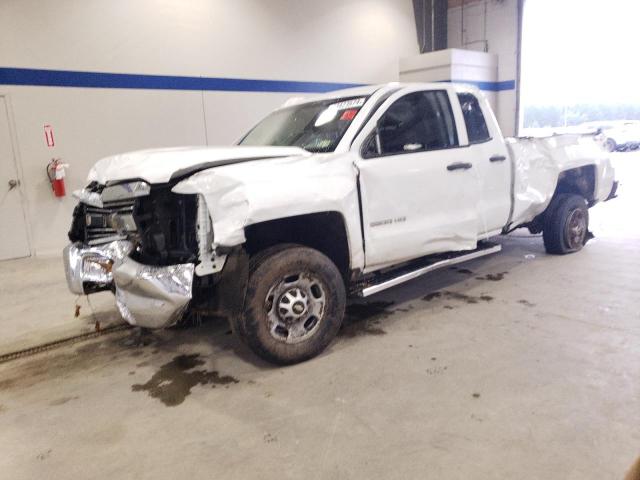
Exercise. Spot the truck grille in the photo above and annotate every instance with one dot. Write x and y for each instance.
(112, 222)
(94, 225)
(162, 225)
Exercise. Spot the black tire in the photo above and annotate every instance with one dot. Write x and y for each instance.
(236, 320)
(566, 224)
(282, 278)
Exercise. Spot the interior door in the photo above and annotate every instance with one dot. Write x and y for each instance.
(13, 228)
(418, 189)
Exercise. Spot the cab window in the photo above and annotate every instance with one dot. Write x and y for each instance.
(473, 118)
(419, 121)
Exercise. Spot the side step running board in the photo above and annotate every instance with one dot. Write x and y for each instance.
(439, 263)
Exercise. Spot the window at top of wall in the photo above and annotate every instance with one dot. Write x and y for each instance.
(473, 118)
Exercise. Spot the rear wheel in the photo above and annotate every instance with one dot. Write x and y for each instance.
(566, 224)
(294, 305)
(610, 145)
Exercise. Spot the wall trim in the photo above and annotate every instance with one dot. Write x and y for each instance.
(80, 79)
(489, 86)
(70, 78)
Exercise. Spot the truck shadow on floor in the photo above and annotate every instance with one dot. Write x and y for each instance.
(443, 288)
(187, 356)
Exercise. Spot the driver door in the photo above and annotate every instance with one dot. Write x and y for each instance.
(419, 189)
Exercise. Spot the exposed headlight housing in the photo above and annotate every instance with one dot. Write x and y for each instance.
(113, 193)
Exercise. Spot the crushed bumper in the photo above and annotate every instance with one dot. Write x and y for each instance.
(89, 269)
(150, 296)
(147, 296)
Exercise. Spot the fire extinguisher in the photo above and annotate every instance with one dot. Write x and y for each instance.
(55, 172)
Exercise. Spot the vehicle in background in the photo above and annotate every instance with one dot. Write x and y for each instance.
(616, 135)
(348, 193)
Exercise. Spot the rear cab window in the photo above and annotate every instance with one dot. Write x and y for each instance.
(474, 120)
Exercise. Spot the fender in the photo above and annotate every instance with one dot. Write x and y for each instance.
(248, 193)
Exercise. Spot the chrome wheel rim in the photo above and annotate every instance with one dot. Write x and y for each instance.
(576, 229)
(295, 308)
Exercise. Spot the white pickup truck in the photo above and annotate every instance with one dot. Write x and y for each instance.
(342, 194)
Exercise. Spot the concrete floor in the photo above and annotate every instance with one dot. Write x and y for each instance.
(37, 307)
(521, 365)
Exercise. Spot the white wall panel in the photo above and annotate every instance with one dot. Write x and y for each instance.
(90, 124)
(234, 113)
(466, 27)
(329, 40)
(354, 41)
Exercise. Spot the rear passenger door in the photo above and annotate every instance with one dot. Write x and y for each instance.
(418, 189)
(490, 157)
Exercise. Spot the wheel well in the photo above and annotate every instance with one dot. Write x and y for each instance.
(581, 181)
(324, 231)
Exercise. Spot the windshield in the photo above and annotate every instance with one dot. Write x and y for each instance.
(315, 126)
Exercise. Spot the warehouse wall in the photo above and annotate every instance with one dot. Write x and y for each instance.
(338, 41)
(491, 26)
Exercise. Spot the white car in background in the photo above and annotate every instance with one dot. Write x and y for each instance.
(622, 135)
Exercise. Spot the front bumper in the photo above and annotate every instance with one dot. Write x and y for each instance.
(89, 269)
(147, 296)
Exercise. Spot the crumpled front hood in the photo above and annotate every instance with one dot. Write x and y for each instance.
(158, 165)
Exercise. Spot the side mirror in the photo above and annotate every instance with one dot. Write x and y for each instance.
(371, 146)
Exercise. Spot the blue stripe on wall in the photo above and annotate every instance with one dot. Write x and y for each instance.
(489, 86)
(65, 78)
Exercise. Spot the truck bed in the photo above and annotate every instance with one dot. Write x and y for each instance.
(540, 163)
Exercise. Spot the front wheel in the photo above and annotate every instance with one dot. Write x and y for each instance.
(566, 224)
(294, 305)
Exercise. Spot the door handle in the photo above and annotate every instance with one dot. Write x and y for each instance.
(459, 166)
(497, 158)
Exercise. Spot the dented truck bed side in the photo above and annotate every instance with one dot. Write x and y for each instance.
(539, 164)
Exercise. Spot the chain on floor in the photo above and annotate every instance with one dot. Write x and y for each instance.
(7, 357)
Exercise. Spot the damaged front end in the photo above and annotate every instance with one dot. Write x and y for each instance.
(150, 296)
(151, 247)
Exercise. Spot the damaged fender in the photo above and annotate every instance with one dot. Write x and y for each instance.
(255, 192)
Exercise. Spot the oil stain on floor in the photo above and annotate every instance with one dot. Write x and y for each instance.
(445, 294)
(464, 271)
(175, 379)
(494, 277)
(526, 303)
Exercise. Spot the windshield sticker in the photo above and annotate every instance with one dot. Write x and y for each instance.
(355, 103)
(349, 114)
(327, 116)
(319, 144)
